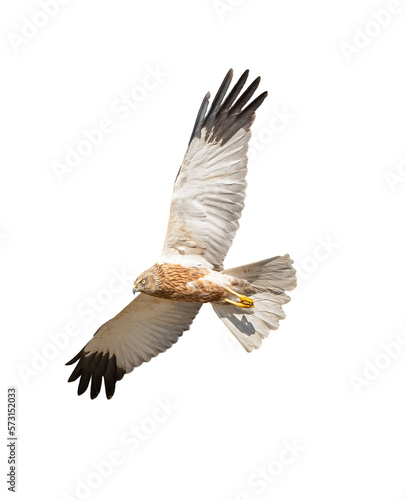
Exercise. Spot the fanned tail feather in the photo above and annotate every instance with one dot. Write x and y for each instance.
(269, 279)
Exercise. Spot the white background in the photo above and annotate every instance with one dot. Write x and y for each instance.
(332, 177)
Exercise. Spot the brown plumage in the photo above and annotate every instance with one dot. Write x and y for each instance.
(207, 202)
(176, 282)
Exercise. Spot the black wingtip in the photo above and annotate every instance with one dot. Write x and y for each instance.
(255, 103)
(76, 358)
(92, 368)
(228, 77)
(226, 117)
(200, 117)
(245, 97)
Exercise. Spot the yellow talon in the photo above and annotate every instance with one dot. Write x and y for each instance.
(245, 302)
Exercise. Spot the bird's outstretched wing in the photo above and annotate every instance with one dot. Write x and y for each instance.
(209, 191)
(145, 328)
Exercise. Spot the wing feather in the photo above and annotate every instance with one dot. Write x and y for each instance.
(145, 328)
(209, 190)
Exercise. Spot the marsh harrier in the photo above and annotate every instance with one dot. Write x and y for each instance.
(207, 202)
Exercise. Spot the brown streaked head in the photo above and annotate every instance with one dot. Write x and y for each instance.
(146, 282)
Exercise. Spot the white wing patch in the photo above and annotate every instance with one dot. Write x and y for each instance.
(207, 202)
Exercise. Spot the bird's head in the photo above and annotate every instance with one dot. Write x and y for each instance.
(145, 282)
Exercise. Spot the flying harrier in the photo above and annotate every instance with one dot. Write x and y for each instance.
(207, 202)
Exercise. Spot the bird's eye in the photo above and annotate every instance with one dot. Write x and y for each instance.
(143, 281)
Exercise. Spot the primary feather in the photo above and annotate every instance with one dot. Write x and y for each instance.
(207, 202)
(210, 188)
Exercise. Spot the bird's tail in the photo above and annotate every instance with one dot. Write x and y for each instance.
(268, 279)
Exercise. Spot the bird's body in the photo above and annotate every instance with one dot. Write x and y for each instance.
(189, 283)
(207, 202)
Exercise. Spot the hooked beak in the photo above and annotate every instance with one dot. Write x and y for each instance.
(134, 290)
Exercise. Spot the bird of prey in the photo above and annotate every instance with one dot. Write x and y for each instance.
(207, 202)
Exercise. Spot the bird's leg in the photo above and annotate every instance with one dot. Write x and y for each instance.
(246, 302)
(239, 304)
